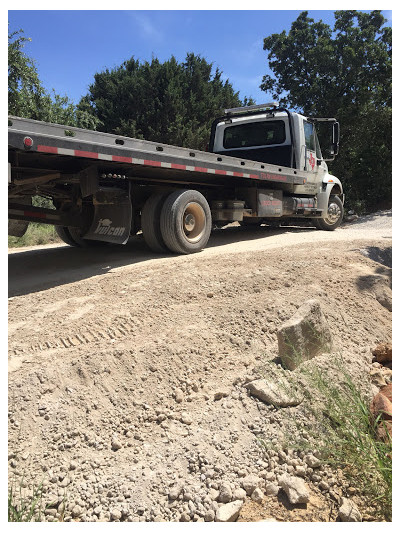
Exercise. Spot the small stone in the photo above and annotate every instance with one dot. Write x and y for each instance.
(271, 489)
(184, 517)
(348, 511)
(214, 494)
(295, 489)
(225, 493)
(387, 391)
(300, 470)
(65, 482)
(381, 406)
(323, 485)
(383, 352)
(116, 444)
(115, 514)
(174, 492)
(76, 511)
(179, 396)
(377, 377)
(312, 461)
(221, 393)
(209, 516)
(273, 392)
(250, 483)
(257, 495)
(229, 512)
(185, 419)
(239, 494)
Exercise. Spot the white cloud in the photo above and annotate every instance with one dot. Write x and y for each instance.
(146, 25)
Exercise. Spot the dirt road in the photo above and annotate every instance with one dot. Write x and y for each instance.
(126, 369)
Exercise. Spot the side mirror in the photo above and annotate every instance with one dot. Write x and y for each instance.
(335, 138)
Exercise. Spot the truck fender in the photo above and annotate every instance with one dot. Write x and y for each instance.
(331, 186)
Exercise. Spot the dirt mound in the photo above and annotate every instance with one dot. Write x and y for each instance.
(127, 389)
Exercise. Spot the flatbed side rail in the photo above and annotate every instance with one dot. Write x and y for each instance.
(36, 136)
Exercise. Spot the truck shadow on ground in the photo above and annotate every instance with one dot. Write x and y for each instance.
(44, 268)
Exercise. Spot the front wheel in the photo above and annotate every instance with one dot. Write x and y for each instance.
(185, 222)
(334, 215)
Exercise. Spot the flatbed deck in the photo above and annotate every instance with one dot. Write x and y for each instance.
(67, 149)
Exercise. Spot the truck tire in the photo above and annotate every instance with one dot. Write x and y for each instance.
(72, 236)
(150, 219)
(334, 217)
(185, 222)
(64, 234)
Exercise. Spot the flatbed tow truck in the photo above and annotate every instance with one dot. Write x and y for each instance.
(264, 164)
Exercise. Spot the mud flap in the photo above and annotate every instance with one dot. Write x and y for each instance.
(112, 216)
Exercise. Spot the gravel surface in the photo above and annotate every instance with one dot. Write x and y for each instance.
(128, 372)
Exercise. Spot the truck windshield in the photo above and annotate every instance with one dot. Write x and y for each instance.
(255, 134)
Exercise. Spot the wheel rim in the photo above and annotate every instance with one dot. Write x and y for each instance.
(334, 214)
(194, 222)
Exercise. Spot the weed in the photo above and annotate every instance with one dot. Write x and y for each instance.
(347, 435)
(22, 508)
(36, 234)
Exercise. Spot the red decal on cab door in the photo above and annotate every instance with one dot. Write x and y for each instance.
(312, 161)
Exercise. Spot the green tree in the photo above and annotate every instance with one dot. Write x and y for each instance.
(27, 97)
(346, 72)
(168, 102)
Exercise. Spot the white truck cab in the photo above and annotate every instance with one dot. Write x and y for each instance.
(279, 137)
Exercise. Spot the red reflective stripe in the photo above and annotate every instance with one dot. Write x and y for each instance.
(49, 149)
(238, 174)
(122, 159)
(201, 169)
(152, 163)
(82, 153)
(254, 176)
(179, 167)
(223, 172)
(34, 214)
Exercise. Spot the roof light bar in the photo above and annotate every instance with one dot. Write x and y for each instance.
(249, 108)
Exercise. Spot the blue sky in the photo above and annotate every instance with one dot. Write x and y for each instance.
(69, 47)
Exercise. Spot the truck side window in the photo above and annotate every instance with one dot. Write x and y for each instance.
(309, 136)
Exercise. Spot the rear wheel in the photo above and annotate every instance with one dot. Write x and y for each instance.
(72, 236)
(334, 215)
(185, 222)
(150, 220)
(65, 235)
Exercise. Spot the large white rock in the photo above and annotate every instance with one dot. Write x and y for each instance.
(304, 336)
(229, 512)
(295, 488)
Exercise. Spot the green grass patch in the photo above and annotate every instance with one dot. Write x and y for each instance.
(36, 234)
(24, 508)
(344, 433)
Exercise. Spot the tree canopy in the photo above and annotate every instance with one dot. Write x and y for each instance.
(168, 102)
(27, 97)
(345, 72)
